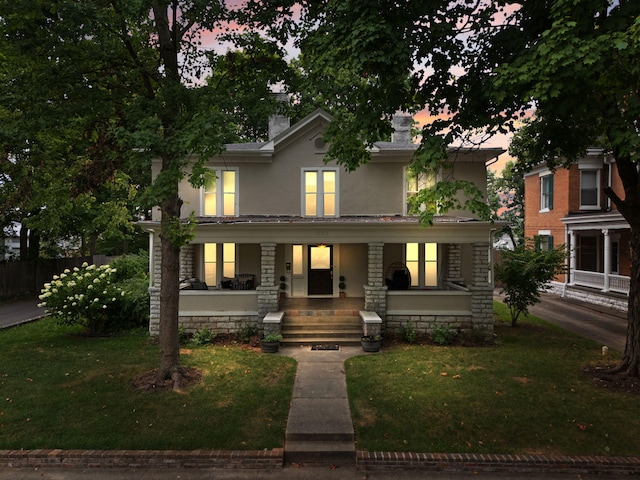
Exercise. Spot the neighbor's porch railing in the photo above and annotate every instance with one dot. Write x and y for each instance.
(617, 283)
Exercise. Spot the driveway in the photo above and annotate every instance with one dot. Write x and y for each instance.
(606, 326)
(21, 311)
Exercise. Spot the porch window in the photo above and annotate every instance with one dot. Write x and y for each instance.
(414, 182)
(320, 193)
(219, 196)
(589, 189)
(546, 192)
(422, 261)
(298, 266)
(219, 262)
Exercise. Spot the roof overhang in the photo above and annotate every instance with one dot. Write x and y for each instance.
(597, 221)
(360, 231)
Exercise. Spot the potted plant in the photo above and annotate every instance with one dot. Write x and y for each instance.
(283, 286)
(342, 286)
(371, 343)
(270, 343)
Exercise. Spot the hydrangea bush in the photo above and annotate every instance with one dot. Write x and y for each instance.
(86, 296)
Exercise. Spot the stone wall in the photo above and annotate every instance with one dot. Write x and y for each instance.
(221, 324)
(615, 301)
(425, 323)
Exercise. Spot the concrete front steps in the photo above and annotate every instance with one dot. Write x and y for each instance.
(321, 327)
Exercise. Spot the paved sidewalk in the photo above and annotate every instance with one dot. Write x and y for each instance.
(21, 311)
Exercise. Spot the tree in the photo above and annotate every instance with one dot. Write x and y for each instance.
(481, 68)
(524, 272)
(505, 194)
(125, 79)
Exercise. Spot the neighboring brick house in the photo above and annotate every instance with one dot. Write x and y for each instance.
(280, 222)
(568, 206)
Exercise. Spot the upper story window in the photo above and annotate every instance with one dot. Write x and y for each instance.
(320, 192)
(220, 195)
(589, 189)
(546, 192)
(414, 183)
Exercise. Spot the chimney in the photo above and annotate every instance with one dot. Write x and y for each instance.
(279, 123)
(401, 124)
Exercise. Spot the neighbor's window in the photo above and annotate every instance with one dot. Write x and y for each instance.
(219, 196)
(320, 193)
(546, 192)
(589, 189)
(422, 261)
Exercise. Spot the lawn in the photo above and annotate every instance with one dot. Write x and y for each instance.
(526, 394)
(64, 390)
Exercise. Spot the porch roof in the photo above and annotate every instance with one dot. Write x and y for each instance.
(346, 229)
(612, 219)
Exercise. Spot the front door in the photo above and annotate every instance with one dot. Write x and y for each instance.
(320, 270)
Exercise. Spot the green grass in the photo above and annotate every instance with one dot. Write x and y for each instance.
(63, 390)
(527, 394)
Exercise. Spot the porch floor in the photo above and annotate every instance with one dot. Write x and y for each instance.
(349, 303)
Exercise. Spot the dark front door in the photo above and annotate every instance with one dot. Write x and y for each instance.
(320, 270)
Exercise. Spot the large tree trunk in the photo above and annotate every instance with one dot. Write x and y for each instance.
(631, 357)
(168, 340)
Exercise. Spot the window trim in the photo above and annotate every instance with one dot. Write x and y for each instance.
(320, 192)
(219, 172)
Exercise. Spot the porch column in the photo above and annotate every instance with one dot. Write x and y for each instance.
(375, 292)
(268, 290)
(453, 273)
(572, 256)
(481, 289)
(607, 259)
(186, 261)
(154, 288)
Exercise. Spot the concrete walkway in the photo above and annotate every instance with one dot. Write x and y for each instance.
(319, 428)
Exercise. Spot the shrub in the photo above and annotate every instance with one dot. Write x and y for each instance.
(443, 335)
(132, 274)
(246, 331)
(203, 337)
(407, 333)
(86, 296)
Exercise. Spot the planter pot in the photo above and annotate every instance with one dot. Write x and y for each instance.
(370, 345)
(269, 347)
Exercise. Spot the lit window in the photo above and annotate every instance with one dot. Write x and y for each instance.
(320, 193)
(416, 182)
(219, 262)
(422, 261)
(297, 260)
(220, 194)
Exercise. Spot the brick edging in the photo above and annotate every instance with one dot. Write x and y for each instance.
(461, 462)
(274, 459)
(228, 459)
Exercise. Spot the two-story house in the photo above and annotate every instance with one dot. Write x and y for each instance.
(568, 206)
(279, 227)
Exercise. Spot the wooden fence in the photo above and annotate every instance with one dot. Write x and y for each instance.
(28, 277)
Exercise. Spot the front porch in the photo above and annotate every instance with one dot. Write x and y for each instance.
(447, 281)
